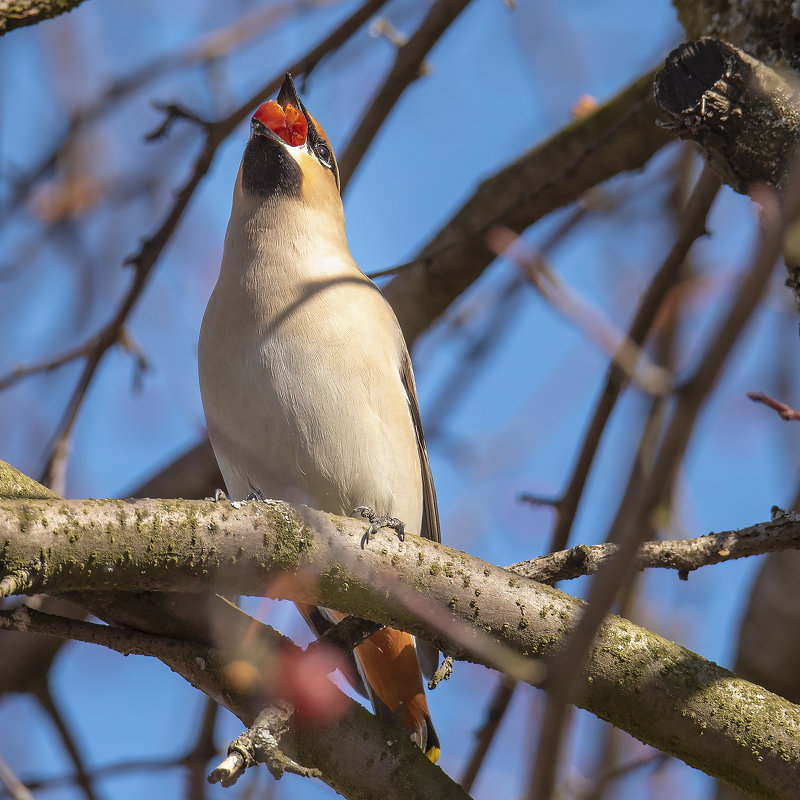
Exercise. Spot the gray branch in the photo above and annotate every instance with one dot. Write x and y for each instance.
(683, 555)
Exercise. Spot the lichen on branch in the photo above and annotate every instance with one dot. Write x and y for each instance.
(658, 691)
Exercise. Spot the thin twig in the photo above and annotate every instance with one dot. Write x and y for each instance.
(625, 354)
(443, 672)
(46, 364)
(123, 640)
(20, 582)
(202, 752)
(260, 743)
(16, 789)
(607, 776)
(683, 555)
(208, 50)
(507, 304)
(82, 777)
(784, 412)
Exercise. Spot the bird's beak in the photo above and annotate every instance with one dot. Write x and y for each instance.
(288, 94)
(284, 117)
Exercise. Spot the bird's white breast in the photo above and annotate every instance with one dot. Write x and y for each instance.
(299, 361)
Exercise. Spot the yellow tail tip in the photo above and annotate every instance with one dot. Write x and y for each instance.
(433, 753)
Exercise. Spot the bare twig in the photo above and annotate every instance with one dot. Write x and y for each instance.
(507, 304)
(406, 69)
(82, 777)
(209, 49)
(602, 780)
(443, 673)
(683, 555)
(24, 618)
(22, 581)
(47, 364)
(16, 789)
(203, 750)
(260, 744)
(784, 412)
(626, 354)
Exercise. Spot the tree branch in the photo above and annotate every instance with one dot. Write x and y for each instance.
(684, 555)
(20, 13)
(742, 113)
(695, 710)
(358, 755)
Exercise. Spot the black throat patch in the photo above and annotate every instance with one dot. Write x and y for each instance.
(268, 170)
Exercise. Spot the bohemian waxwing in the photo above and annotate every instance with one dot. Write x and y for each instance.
(306, 380)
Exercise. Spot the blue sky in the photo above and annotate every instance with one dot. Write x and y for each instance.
(499, 82)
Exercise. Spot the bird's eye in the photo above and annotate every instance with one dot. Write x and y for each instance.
(324, 154)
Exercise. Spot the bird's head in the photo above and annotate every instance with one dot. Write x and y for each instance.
(288, 154)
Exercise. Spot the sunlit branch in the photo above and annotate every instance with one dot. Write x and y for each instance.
(190, 546)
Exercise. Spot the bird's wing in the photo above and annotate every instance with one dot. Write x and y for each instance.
(430, 509)
(427, 654)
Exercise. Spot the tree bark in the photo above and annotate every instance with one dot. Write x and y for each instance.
(19, 13)
(744, 115)
(656, 690)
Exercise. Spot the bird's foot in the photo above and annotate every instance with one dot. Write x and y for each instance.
(376, 523)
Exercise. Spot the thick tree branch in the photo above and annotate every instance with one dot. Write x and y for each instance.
(695, 710)
(359, 756)
(19, 13)
(242, 669)
(768, 30)
(744, 115)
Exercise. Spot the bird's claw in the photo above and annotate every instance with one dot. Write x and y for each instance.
(376, 523)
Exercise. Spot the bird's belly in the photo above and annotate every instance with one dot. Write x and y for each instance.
(321, 420)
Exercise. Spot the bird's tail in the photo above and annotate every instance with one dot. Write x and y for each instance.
(390, 669)
(389, 675)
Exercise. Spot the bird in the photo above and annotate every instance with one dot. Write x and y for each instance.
(306, 380)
